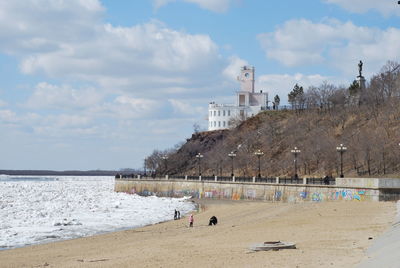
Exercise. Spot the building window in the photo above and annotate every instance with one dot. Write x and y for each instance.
(224, 124)
(219, 113)
(215, 113)
(210, 124)
(242, 100)
(229, 112)
(223, 113)
(219, 123)
(210, 113)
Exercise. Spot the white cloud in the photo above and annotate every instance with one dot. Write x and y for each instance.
(37, 26)
(187, 108)
(60, 125)
(128, 108)
(213, 5)
(385, 7)
(61, 97)
(68, 120)
(282, 84)
(69, 40)
(8, 116)
(3, 103)
(106, 81)
(232, 71)
(148, 55)
(332, 43)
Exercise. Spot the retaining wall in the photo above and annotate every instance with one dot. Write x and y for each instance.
(255, 191)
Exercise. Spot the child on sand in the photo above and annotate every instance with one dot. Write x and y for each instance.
(191, 220)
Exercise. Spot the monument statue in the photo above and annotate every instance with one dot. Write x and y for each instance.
(360, 65)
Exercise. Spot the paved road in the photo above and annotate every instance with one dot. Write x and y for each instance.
(385, 251)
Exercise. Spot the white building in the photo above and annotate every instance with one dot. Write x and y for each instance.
(248, 103)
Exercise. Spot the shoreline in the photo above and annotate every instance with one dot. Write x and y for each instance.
(331, 233)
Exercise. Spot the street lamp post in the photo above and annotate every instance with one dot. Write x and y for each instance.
(259, 153)
(199, 156)
(165, 158)
(341, 149)
(232, 156)
(295, 152)
(399, 4)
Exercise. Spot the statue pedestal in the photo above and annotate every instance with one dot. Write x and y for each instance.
(361, 82)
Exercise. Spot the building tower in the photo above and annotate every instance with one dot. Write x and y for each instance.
(246, 79)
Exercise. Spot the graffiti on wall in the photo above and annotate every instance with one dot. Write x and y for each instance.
(315, 195)
(188, 192)
(250, 194)
(347, 194)
(352, 194)
(236, 196)
(278, 195)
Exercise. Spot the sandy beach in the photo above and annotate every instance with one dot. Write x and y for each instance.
(330, 234)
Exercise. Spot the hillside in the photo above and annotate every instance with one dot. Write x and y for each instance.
(370, 134)
(365, 120)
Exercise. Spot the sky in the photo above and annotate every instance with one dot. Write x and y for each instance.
(100, 84)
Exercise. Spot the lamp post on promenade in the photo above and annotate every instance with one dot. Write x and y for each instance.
(144, 167)
(341, 149)
(199, 156)
(165, 158)
(259, 153)
(232, 156)
(295, 152)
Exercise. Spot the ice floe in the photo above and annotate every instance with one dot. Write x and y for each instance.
(43, 209)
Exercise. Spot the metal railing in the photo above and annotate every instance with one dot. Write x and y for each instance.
(224, 179)
(243, 179)
(321, 181)
(178, 177)
(192, 178)
(291, 180)
(280, 180)
(125, 176)
(208, 178)
(265, 180)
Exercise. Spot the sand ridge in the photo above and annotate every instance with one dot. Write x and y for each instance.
(330, 234)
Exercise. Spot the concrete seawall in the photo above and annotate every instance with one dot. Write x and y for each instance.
(364, 190)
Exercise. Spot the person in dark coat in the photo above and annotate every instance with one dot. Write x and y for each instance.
(213, 221)
(326, 180)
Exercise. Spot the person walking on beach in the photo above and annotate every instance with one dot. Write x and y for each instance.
(176, 215)
(179, 215)
(191, 220)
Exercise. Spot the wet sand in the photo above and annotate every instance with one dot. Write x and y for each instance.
(331, 234)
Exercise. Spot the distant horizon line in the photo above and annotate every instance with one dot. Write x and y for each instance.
(97, 172)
